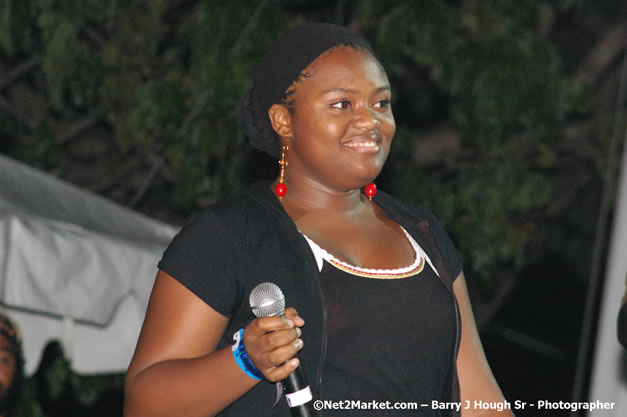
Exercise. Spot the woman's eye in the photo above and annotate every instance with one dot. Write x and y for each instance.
(383, 104)
(344, 104)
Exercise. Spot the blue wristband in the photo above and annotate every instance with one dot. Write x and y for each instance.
(241, 356)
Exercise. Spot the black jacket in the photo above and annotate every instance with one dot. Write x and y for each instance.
(254, 240)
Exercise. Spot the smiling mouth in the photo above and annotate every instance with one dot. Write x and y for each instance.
(363, 145)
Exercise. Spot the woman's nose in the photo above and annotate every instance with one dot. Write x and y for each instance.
(367, 120)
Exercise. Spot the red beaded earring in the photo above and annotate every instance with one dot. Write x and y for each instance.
(371, 190)
(280, 189)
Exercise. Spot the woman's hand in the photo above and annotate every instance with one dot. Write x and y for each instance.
(272, 342)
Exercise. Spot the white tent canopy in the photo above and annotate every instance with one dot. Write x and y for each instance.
(608, 382)
(74, 267)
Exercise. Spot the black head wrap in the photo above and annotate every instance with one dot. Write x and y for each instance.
(279, 68)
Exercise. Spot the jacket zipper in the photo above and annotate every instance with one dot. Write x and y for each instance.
(429, 236)
(440, 263)
(323, 355)
(456, 346)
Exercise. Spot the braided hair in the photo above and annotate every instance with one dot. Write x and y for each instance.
(280, 68)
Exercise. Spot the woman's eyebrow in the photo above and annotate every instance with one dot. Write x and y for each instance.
(352, 90)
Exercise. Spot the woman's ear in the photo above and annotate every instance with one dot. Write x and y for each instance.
(280, 119)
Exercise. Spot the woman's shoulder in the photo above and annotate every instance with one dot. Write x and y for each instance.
(248, 205)
(232, 223)
(250, 196)
(396, 207)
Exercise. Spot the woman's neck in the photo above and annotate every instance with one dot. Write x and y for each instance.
(309, 197)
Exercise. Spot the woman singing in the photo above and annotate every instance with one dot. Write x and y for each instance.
(378, 284)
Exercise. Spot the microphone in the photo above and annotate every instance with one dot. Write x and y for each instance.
(267, 299)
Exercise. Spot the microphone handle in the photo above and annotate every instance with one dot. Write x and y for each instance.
(296, 382)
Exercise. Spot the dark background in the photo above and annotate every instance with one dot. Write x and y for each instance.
(506, 116)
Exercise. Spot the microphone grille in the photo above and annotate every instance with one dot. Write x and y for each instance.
(267, 299)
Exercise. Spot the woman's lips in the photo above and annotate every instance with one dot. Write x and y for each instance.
(366, 145)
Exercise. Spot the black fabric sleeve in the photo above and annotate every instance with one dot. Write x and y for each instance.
(202, 257)
(450, 254)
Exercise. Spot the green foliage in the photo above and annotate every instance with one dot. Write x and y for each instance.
(66, 393)
(28, 405)
(41, 150)
(167, 79)
(169, 82)
(509, 100)
(12, 35)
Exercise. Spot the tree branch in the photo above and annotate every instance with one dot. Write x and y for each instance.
(94, 36)
(20, 70)
(486, 310)
(156, 166)
(432, 146)
(546, 19)
(193, 114)
(76, 129)
(248, 29)
(20, 116)
(602, 54)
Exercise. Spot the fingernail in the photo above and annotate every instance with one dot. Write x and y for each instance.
(298, 332)
(294, 362)
(298, 343)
